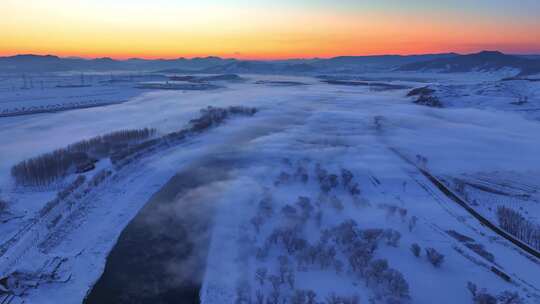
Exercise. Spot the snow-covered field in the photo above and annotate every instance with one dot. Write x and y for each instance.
(291, 224)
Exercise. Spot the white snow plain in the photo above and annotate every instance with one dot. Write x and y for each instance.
(310, 124)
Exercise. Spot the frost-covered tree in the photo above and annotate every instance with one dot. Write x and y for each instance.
(291, 279)
(338, 266)
(260, 275)
(257, 221)
(259, 297)
(265, 207)
(336, 203)
(282, 179)
(299, 297)
(403, 213)
(329, 183)
(508, 297)
(311, 297)
(374, 272)
(360, 255)
(305, 206)
(301, 174)
(289, 211)
(434, 257)
(346, 177)
(395, 284)
(415, 249)
(392, 237)
(318, 218)
(3, 205)
(516, 224)
(483, 297)
(275, 281)
(472, 288)
(412, 223)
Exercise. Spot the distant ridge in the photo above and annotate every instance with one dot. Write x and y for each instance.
(484, 61)
(445, 62)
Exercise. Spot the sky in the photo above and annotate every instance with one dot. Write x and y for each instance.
(266, 29)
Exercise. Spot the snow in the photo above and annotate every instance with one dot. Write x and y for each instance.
(331, 125)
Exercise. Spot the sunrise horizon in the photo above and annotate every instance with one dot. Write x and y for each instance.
(265, 30)
(258, 58)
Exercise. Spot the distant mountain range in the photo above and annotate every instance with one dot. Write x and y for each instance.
(447, 62)
(485, 61)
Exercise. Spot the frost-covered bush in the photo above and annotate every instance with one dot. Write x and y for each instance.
(434, 257)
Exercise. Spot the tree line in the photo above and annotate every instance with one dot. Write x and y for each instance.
(48, 168)
(514, 223)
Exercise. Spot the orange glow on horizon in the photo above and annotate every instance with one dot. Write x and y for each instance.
(91, 29)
